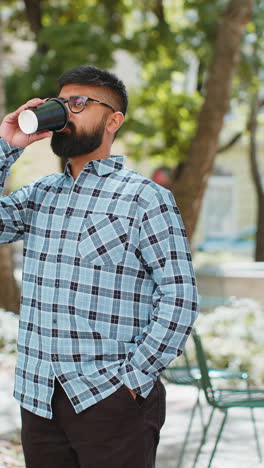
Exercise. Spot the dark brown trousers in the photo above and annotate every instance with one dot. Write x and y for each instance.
(117, 432)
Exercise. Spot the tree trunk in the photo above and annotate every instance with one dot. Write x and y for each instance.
(190, 185)
(33, 10)
(259, 250)
(256, 176)
(9, 291)
(158, 9)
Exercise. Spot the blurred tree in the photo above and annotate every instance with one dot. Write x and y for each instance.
(169, 120)
(257, 176)
(248, 94)
(254, 79)
(164, 111)
(184, 126)
(192, 181)
(9, 291)
(67, 34)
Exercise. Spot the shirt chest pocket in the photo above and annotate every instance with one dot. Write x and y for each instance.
(103, 239)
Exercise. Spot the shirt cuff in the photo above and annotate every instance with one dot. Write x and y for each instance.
(9, 153)
(135, 379)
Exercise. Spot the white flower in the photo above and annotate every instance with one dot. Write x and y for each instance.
(233, 337)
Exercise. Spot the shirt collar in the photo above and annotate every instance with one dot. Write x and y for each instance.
(101, 166)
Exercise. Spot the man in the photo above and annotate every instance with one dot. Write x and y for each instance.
(108, 294)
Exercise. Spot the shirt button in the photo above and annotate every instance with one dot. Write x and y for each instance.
(60, 250)
(54, 321)
(54, 357)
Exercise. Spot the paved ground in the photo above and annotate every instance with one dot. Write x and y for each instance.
(236, 450)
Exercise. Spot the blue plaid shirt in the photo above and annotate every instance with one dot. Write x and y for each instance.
(108, 291)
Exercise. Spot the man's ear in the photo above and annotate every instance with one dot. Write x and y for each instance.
(114, 122)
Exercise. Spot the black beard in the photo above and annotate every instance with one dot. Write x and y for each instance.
(70, 145)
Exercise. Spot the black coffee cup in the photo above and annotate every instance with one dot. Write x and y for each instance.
(52, 115)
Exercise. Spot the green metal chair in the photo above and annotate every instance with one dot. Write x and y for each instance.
(185, 375)
(224, 399)
(191, 375)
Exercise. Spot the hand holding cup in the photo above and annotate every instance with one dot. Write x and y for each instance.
(53, 115)
(11, 132)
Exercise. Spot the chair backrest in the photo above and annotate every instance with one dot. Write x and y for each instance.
(187, 362)
(201, 359)
(182, 373)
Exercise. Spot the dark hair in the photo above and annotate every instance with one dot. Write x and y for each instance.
(90, 75)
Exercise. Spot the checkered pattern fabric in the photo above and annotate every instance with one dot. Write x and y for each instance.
(108, 294)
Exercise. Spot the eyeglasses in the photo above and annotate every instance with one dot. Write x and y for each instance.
(77, 103)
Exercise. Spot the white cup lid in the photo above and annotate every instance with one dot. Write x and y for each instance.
(28, 122)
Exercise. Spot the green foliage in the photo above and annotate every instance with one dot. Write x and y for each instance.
(249, 78)
(163, 124)
(200, 32)
(72, 33)
(87, 31)
(64, 51)
(168, 118)
(163, 116)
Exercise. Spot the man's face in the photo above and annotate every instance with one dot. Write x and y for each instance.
(85, 131)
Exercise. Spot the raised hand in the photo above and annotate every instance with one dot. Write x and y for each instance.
(10, 131)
